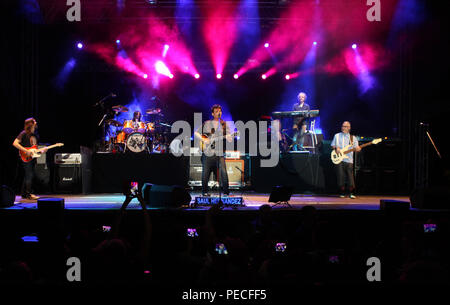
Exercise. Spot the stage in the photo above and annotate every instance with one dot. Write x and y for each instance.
(252, 202)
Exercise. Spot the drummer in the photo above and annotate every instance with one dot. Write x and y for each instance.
(136, 118)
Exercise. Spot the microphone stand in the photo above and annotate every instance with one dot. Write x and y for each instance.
(101, 103)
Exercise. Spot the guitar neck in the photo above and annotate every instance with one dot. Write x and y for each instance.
(52, 146)
(361, 146)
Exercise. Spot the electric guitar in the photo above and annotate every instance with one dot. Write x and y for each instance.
(213, 139)
(35, 152)
(338, 158)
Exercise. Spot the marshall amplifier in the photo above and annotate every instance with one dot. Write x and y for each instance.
(67, 178)
(68, 158)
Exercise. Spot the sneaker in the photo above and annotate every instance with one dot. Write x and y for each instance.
(341, 196)
(352, 196)
(32, 197)
(206, 195)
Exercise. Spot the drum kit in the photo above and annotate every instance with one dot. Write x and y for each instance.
(138, 136)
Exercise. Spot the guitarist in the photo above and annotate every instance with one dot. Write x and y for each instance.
(28, 138)
(214, 158)
(300, 122)
(344, 170)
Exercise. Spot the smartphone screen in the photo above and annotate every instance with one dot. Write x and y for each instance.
(429, 227)
(280, 247)
(191, 232)
(133, 188)
(106, 228)
(221, 249)
(334, 259)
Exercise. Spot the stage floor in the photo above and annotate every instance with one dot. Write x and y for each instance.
(252, 201)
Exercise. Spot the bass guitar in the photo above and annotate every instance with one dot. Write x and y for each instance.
(338, 158)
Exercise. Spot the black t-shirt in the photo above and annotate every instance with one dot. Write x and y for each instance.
(301, 120)
(25, 139)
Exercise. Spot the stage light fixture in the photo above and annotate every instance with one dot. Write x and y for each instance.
(354, 46)
(219, 76)
(79, 45)
(266, 45)
(287, 76)
(197, 76)
(145, 75)
(236, 76)
(263, 76)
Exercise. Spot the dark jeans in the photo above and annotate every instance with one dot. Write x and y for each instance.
(210, 165)
(28, 176)
(344, 173)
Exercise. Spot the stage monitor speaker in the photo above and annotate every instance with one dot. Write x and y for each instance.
(281, 194)
(431, 198)
(67, 178)
(165, 196)
(388, 204)
(7, 196)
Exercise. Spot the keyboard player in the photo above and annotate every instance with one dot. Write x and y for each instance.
(300, 123)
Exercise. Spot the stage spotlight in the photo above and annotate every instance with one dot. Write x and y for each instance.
(170, 75)
(166, 48)
(354, 46)
(145, 75)
(263, 76)
(197, 76)
(266, 45)
(219, 76)
(118, 41)
(79, 45)
(236, 76)
(287, 76)
(315, 43)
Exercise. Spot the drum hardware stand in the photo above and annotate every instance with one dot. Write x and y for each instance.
(101, 103)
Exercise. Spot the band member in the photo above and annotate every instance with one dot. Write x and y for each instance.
(300, 122)
(344, 170)
(214, 128)
(28, 138)
(136, 118)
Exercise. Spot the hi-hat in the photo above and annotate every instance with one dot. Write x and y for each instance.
(153, 111)
(113, 123)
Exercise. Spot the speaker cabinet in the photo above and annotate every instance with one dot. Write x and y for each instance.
(164, 196)
(7, 196)
(67, 178)
(235, 170)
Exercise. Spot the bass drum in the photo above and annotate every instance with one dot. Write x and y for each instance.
(136, 142)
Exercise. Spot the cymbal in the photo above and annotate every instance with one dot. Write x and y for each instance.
(113, 123)
(120, 108)
(153, 111)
